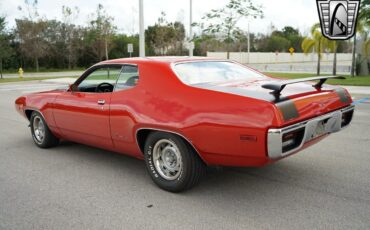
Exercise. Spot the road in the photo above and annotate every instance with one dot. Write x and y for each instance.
(78, 187)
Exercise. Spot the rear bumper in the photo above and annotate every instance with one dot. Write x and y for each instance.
(308, 130)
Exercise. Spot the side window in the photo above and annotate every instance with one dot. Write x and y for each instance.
(128, 78)
(101, 80)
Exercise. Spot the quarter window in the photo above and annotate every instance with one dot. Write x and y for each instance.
(128, 78)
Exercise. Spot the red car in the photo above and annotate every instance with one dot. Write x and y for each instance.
(181, 114)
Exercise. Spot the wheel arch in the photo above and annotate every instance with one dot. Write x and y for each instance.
(142, 134)
(28, 113)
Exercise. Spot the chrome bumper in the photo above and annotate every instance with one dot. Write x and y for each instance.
(331, 123)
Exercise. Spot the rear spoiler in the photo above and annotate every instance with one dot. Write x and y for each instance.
(278, 86)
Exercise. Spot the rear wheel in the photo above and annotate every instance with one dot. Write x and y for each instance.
(41, 133)
(172, 164)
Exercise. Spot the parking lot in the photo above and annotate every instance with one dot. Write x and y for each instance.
(73, 186)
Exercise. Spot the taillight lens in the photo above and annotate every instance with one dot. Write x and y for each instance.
(346, 118)
(292, 139)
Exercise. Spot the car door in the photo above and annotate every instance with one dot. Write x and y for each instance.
(82, 114)
(124, 110)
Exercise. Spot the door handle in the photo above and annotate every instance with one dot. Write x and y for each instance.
(101, 102)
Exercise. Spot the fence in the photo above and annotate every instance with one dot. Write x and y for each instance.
(285, 62)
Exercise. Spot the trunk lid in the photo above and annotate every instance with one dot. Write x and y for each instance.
(296, 102)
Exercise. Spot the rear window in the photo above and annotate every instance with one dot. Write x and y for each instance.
(193, 73)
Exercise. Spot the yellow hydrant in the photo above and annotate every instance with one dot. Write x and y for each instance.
(20, 72)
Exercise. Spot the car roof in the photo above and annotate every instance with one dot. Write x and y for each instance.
(162, 59)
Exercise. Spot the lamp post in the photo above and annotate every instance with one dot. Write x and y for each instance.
(249, 43)
(191, 46)
(141, 29)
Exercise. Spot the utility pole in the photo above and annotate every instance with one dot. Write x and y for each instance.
(141, 31)
(249, 43)
(191, 46)
(353, 66)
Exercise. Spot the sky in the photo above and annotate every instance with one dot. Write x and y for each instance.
(301, 14)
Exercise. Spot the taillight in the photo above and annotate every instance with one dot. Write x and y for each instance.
(292, 139)
(347, 117)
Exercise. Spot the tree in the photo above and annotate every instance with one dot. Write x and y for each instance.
(6, 50)
(119, 45)
(278, 43)
(178, 37)
(156, 35)
(204, 43)
(100, 32)
(294, 37)
(364, 14)
(164, 37)
(223, 22)
(362, 27)
(71, 34)
(32, 43)
(30, 33)
(317, 43)
(241, 39)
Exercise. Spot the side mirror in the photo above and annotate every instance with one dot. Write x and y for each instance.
(73, 88)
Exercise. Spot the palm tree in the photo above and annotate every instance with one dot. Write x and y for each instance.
(367, 47)
(362, 26)
(333, 45)
(318, 43)
(359, 29)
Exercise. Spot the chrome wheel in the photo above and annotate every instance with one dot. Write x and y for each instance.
(38, 129)
(167, 159)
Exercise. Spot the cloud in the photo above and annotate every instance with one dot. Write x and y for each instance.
(300, 14)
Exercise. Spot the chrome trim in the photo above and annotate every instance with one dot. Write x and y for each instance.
(167, 159)
(101, 102)
(349, 108)
(274, 135)
(168, 131)
(38, 129)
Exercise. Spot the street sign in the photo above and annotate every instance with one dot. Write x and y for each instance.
(130, 48)
(291, 50)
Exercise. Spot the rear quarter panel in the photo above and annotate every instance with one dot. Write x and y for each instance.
(225, 129)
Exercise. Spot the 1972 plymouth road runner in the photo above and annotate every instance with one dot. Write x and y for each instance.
(181, 114)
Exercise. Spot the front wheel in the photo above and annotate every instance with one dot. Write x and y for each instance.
(171, 162)
(41, 134)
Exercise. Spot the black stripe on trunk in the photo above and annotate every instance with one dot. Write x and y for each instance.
(288, 110)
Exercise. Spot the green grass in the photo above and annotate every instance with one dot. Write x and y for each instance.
(7, 80)
(355, 81)
(15, 71)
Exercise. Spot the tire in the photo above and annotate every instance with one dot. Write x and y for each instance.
(41, 133)
(171, 162)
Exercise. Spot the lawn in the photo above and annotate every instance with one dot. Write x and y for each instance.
(356, 81)
(42, 70)
(7, 80)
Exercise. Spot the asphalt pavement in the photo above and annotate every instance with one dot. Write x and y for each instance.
(74, 186)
